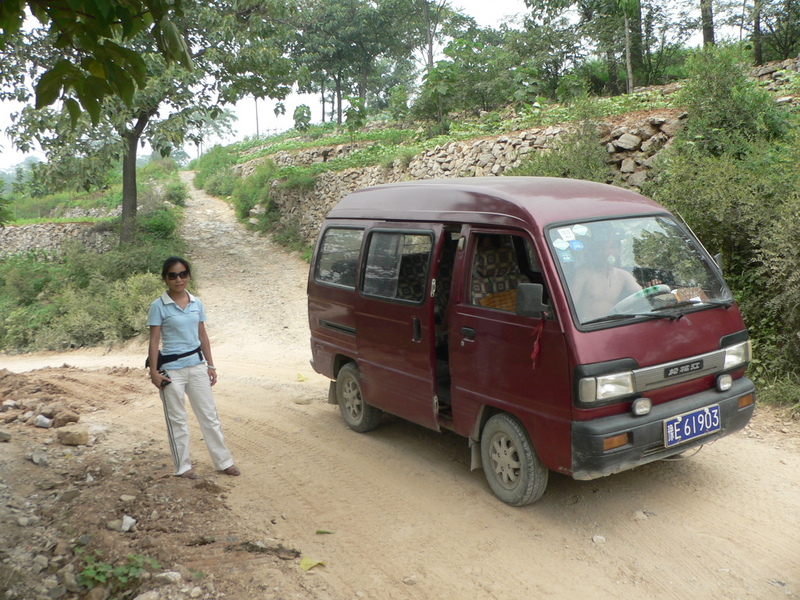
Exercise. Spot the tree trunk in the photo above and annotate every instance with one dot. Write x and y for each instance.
(322, 87)
(338, 80)
(426, 16)
(637, 39)
(707, 18)
(611, 65)
(628, 61)
(758, 53)
(127, 226)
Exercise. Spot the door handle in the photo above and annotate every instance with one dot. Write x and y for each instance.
(417, 335)
(468, 332)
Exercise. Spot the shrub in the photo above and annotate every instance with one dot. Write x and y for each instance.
(160, 223)
(298, 178)
(176, 193)
(215, 161)
(577, 155)
(253, 190)
(222, 183)
(727, 110)
(302, 117)
(746, 207)
(82, 299)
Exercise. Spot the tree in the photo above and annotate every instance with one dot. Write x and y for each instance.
(782, 21)
(628, 7)
(340, 41)
(707, 20)
(610, 26)
(237, 50)
(93, 34)
(302, 117)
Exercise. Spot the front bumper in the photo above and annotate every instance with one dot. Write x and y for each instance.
(590, 460)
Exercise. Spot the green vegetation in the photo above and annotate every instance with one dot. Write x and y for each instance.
(81, 298)
(578, 154)
(120, 578)
(733, 174)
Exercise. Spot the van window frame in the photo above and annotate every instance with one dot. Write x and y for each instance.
(474, 234)
(357, 265)
(429, 233)
(563, 276)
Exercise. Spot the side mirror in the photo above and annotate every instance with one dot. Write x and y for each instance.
(529, 300)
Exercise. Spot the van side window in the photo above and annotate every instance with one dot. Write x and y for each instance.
(338, 257)
(397, 265)
(496, 272)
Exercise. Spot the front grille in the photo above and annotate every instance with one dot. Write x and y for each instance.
(650, 378)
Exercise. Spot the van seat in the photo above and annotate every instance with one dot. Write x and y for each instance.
(496, 272)
(412, 277)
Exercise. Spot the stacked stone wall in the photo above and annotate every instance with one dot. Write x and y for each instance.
(50, 239)
(630, 142)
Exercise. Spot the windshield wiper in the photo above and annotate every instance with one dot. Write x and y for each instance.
(619, 316)
(683, 303)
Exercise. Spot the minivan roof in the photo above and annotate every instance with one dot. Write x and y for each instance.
(495, 200)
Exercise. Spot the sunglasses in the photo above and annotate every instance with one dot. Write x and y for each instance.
(174, 276)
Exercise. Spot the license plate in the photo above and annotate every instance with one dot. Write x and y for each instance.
(691, 425)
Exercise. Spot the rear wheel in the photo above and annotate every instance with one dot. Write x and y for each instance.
(512, 468)
(358, 415)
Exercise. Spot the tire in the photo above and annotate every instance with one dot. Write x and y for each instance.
(358, 415)
(512, 468)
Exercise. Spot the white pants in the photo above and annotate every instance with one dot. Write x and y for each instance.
(194, 382)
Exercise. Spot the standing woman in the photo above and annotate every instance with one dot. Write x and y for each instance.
(176, 320)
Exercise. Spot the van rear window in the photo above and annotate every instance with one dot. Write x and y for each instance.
(397, 265)
(337, 262)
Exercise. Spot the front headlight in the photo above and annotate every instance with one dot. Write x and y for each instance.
(738, 355)
(606, 387)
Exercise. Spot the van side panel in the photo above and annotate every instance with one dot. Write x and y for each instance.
(394, 321)
(333, 327)
(491, 365)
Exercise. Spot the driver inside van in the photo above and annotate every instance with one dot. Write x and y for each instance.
(598, 283)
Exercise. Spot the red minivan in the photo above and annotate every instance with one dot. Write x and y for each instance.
(557, 324)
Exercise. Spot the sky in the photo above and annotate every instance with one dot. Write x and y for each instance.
(259, 117)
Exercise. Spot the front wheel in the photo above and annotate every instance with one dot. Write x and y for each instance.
(358, 415)
(512, 468)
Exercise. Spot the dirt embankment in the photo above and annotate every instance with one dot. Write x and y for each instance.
(395, 513)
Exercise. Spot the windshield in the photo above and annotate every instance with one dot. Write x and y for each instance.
(635, 268)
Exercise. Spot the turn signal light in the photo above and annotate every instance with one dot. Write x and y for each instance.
(616, 441)
(746, 400)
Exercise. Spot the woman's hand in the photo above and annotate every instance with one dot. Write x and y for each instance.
(212, 374)
(159, 380)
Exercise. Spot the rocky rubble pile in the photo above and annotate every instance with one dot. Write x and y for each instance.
(72, 504)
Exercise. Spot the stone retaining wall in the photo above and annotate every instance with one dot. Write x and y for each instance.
(50, 239)
(631, 145)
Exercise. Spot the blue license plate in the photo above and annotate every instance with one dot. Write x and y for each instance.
(691, 425)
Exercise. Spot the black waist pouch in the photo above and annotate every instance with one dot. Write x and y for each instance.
(168, 358)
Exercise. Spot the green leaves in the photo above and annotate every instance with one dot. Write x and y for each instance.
(91, 34)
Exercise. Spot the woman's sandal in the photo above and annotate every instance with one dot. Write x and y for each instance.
(233, 471)
(190, 474)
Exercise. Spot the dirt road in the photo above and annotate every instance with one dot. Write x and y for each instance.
(403, 515)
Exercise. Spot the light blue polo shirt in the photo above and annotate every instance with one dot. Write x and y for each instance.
(179, 328)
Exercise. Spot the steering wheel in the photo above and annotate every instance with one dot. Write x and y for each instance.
(641, 301)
